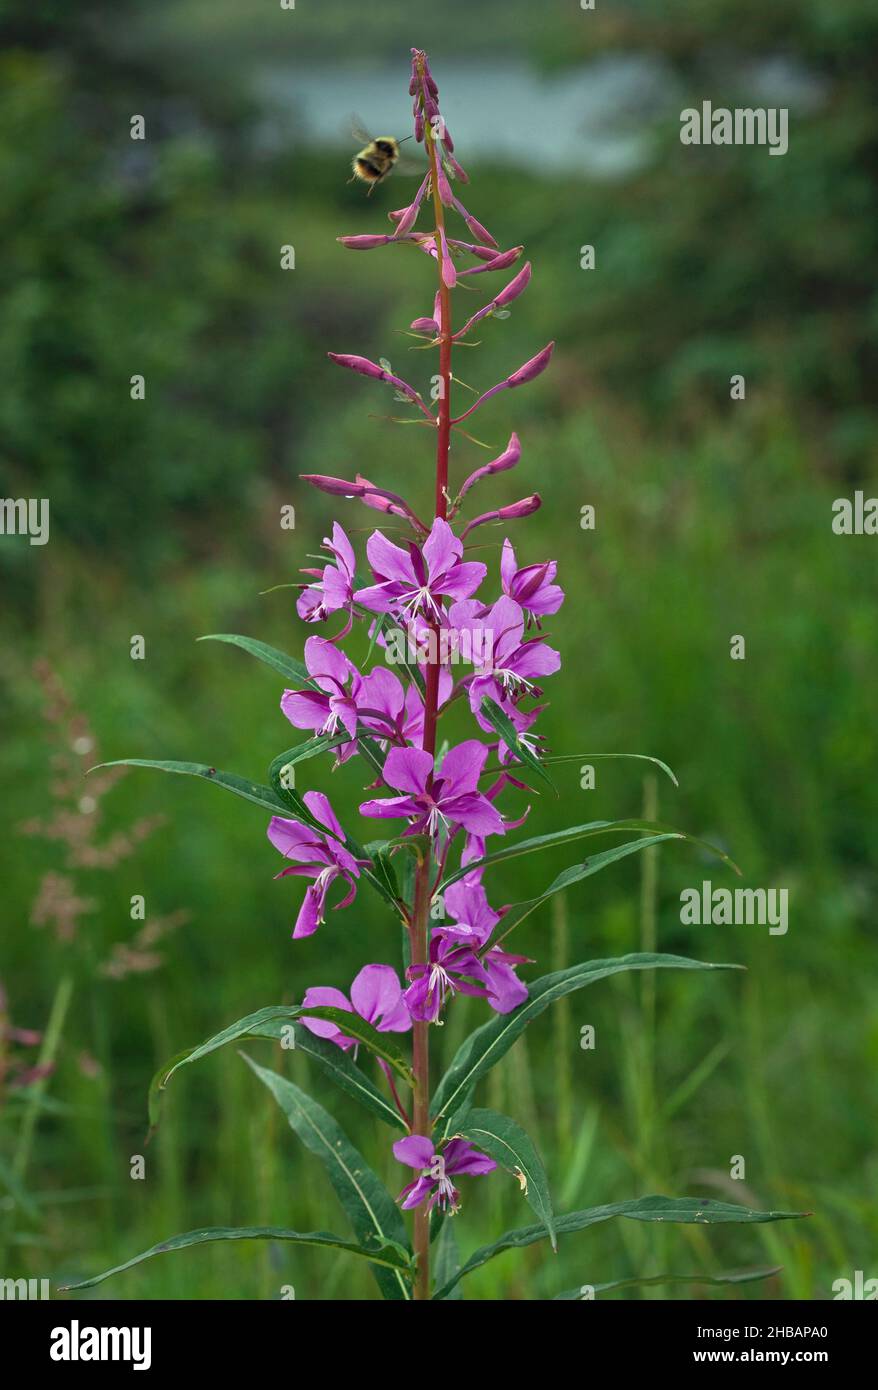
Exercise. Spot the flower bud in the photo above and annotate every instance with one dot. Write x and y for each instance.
(372, 369)
(484, 253)
(479, 232)
(508, 459)
(525, 507)
(449, 274)
(515, 287)
(358, 364)
(457, 169)
(531, 369)
(364, 242)
(336, 487)
(445, 194)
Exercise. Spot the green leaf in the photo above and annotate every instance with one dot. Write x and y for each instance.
(483, 1048)
(261, 1024)
(555, 759)
(748, 1276)
(371, 753)
(504, 1140)
(538, 843)
(446, 1261)
(347, 1075)
(279, 661)
(385, 874)
(516, 914)
(499, 720)
(302, 752)
(419, 846)
(241, 786)
(271, 1023)
(688, 1210)
(294, 670)
(371, 1210)
(388, 1257)
(292, 801)
(353, 1026)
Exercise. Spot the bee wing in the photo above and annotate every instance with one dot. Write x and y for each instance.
(411, 166)
(359, 131)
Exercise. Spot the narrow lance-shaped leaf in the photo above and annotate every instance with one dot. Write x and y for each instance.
(483, 1048)
(241, 786)
(556, 759)
(276, 799)
(294, 670)
(353, 1026)
(747, 1276)
(287, 666)
(347, 1075)
(390, 1256)
(371, 1210)
(446, 1261)
(505, 1141)
(277, 1023)
(537, 843)
(517, 912)
(687, 1210)
(310, 748)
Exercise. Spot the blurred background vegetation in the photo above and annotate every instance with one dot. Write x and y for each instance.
(162, 257)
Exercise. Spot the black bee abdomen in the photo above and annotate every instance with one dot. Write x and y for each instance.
(368, 169)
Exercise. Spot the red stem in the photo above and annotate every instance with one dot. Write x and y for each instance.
(419, 935)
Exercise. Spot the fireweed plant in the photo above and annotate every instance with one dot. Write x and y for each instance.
(442, 631)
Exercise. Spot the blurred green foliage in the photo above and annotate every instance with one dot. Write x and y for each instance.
(163, 258)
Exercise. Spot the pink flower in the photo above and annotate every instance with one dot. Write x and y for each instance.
(435, 1170)
(533, 587)
(451, 798)
(417, 580)
(334, 704)
(376, 995)
(334, 589)
(512, 665)
(317, 856)
(475, 921)
(445, 973)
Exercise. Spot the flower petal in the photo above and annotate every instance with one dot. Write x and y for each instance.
(416, 1150)
(407, 769)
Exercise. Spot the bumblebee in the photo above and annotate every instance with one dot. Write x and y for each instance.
(376, 159)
